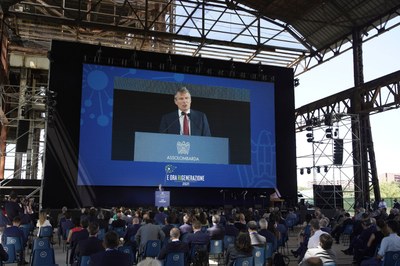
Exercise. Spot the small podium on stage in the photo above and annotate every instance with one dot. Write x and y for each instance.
(275, 199)
(161, 199)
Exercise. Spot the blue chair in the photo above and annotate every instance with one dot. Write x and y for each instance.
(392, 258)
(246, 261)
(128, 250)
(196, 249)
(175, 259)
(41, 243)
(12, 257)
(259, 256)
(152, 248)
(269, 248)
(17, 242)
(43, 257)
(45, 231)
(348, 230)
(84, 260)
(283, 230)
(228, 241)
(101, 234)
(216, 248)
(26, 228)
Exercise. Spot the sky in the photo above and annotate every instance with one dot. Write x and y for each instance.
(380, 57)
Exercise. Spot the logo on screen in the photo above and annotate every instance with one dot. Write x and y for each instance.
(183, 147)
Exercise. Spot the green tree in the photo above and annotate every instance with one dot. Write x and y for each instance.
(389, 190)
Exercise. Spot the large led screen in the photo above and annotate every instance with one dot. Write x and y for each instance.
(122, 143)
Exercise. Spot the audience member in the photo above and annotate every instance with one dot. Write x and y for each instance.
(255, 237)
(323, 251)
(90, 245)
(242, 248)
(216, 231)
(388, 243)
(174, 246)
(111, 255)
(148, 231)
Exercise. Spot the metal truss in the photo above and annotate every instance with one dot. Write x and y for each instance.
(373, 97)
(376, 96)
(28, 104)
(321, 164)
(216, 29)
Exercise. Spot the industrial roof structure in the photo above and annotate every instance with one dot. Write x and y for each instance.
(290, 33)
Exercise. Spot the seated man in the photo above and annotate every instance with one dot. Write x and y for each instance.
(111, 256)
(198, 237)
(256, 238)
(91, 245)
(323, 251)
(389, 243)
(217, 231)
(175, 246)
(15, 231)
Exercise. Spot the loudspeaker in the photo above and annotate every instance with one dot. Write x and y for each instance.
(328, 196)
(337, 151)
(22, 136)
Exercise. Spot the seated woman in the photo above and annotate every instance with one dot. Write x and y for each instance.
(241, 249)
(43, 221)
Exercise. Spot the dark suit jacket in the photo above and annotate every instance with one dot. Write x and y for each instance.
(90, 246)
(110, 257)
(175, 246)
(75, 239)
(198, 238)
(198, 124)
(216, 232)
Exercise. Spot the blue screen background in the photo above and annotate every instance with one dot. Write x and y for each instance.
(95, 166)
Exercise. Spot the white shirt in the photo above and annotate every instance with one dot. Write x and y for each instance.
(389, 243)
(181, 118)
(313, 242)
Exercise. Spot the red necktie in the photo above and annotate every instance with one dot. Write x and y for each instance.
(185, 125)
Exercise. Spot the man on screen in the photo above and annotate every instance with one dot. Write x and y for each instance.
(185, 121)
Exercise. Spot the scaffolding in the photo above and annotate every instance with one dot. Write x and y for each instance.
(332, 162)
(24, 119)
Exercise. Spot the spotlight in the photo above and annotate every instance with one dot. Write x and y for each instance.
(296, 82)
(326, 169)
(308, 170)
(318, 169)
(301, 171)
(328, 132)
(310, 137)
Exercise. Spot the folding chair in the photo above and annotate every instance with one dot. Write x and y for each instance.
(12, 257)
(152, 249)
(84, 260)
(45, 231)
(246, 261)
(175, 259)
(43, 257)
(259, 256)
(348, 230)
(392, 258)
(216, 249)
